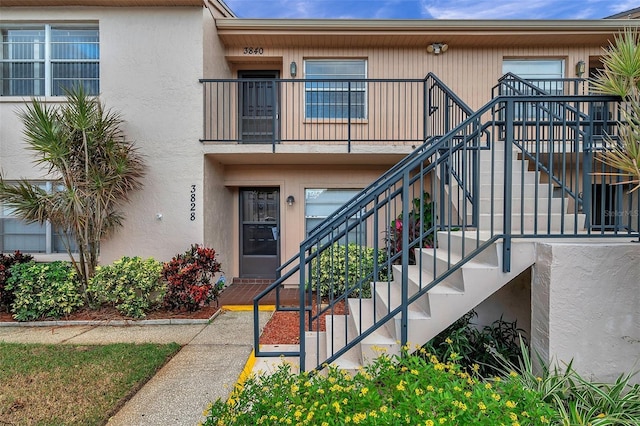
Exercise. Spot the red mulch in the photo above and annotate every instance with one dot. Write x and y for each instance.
(284, 327)
(111, 314)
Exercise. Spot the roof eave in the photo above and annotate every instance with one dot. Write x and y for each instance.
(403, 25)
(102, 3)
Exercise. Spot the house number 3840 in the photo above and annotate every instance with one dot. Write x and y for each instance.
(192, 199)
(253, 50)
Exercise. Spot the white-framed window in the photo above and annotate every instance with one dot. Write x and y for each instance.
(335, 91)
(16, 234)
(544, 73)
(43, 60)
(322, 202)
(547, 74)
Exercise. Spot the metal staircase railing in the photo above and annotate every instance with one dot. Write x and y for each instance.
(445, 110)
(511, 84)
(420, 204)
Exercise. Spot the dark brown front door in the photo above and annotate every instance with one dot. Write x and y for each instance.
(259, 115)
(259, 232)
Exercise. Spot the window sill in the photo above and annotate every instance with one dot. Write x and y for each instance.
(48, 257)
(28, 99)
(335, 121)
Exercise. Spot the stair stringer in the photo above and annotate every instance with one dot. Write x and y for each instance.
(460, 292)
(431, 313)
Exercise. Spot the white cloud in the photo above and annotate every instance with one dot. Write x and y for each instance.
(623, 6)
(537, 9)
(430, 9)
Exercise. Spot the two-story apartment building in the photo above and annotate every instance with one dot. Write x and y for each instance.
(218, 163)
(256, 130)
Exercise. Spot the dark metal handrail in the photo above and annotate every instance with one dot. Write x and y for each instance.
(440, 100)
(295, 111)
(443, 105)
(390, 201)
(512, 84)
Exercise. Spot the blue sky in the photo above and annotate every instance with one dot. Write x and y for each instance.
(430, 9)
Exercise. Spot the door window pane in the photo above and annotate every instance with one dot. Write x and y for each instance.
(260, 223)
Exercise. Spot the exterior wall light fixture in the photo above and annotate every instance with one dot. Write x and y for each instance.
(580, 68)
(293, 69)
(290, 200)
(437, 48)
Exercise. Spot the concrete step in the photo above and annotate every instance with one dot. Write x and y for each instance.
(465, 242)
(338, 333)
(527, 190)
(526, 204)
(435, 262)
(269, 365)
(388, 296)
(362, 315)
(539, 223)
(498, 176)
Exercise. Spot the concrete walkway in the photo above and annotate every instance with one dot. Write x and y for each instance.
(205, 369)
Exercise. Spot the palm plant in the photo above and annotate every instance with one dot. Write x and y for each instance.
(94, 169)
(620, 76)
(578, 401)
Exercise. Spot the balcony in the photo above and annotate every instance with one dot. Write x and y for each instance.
(346, 114)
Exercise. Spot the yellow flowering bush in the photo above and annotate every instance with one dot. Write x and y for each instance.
(413, 390)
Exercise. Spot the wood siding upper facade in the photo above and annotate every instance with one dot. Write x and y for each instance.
(471, 66)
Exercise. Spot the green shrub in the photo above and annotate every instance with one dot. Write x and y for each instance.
(132, 285)
(43, 290)
(476, 347)
(6, 262)
(331, 274)
(408, 390)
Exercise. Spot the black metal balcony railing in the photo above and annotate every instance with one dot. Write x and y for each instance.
(505, 171)
(335, 111)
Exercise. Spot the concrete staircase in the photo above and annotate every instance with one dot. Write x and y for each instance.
(430, 313)
(534, 209)
(465, 287)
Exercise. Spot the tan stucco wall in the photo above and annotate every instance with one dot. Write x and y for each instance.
(586, 306)
(150, 63)
(219, 214)
(292, 180)
(215, 64)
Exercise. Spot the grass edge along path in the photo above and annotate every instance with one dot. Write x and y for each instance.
(74, 384)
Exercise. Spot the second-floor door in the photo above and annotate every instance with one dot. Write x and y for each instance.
(259, 107)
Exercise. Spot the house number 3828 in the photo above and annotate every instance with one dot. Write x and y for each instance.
(192, 199)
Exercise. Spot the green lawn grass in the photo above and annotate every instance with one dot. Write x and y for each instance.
(73, 384)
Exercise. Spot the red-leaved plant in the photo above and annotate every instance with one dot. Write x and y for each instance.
(6, 262)
(190, 279)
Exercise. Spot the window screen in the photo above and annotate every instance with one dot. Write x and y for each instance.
(44, 60)
(335, 91)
